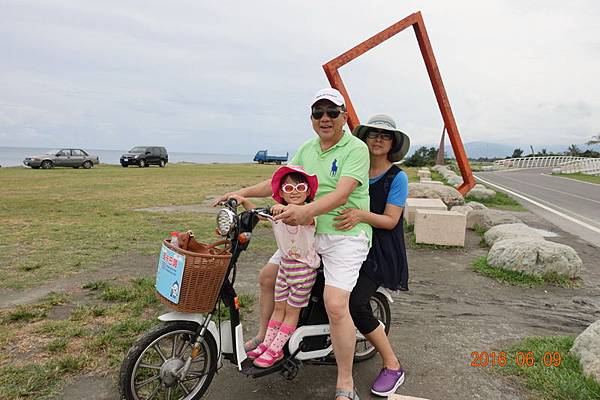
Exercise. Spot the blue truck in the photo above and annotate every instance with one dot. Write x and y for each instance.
(262, 157)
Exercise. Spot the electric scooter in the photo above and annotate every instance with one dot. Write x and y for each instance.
(177, 359)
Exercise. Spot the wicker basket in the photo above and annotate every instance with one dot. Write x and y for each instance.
(205, 268)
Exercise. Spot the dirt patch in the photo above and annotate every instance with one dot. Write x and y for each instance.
(90, 388)
(204, 208)
(136, 266)
(449, 312)
(194, 208)
(60, 312)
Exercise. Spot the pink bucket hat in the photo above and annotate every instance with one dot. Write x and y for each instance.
(313, 182)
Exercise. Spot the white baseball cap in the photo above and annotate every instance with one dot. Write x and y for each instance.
(330, 94)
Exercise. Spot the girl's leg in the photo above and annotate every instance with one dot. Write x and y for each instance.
(292, 315)
(266, 280)
(288, 326)
(274, 323)
(273, 328)
(298, 297)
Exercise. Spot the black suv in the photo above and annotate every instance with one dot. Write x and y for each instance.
(145, 156)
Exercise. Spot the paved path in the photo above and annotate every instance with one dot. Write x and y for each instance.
(570, 204)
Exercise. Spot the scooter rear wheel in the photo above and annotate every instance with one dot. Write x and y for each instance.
(381, 310)
(149, 368)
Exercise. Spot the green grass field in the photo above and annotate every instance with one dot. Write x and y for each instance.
(61, 221)
(582, 177)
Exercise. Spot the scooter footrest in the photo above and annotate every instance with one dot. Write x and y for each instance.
(249, 369)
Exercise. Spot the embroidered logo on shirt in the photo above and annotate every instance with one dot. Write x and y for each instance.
(334, 168)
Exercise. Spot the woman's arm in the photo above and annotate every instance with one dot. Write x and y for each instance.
(352, 216)
(391, 215)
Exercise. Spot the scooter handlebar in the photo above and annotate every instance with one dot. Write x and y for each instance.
(263, 212)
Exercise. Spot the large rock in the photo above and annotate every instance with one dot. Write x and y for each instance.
(454, 180)
(535, 257)
(510, 231)
(447, 174)
(587, 348)
(449, 195)
(488, 218)
(476, 206)
(439, 168)
(424, 173)
(430, 182)
(462, 209)
(481, 193)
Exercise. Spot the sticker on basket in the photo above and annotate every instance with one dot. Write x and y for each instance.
(169, 274)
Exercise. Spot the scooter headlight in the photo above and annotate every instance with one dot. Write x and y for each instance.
(225, 221)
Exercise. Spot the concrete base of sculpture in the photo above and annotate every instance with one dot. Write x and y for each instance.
(412, 205)
(444, 228)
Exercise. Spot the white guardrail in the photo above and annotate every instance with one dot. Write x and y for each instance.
(566, 164)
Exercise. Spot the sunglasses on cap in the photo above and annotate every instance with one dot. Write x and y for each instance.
(332, 112)
(387, 136)
(289, 188)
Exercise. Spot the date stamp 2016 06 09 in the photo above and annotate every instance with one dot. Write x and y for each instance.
(520, 359)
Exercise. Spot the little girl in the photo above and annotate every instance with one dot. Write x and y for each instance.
(299, 261)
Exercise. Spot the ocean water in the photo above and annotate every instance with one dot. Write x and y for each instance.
(13, 156)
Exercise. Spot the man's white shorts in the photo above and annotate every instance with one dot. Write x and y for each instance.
(342, 257)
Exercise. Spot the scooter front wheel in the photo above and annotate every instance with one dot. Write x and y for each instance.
(151, 368)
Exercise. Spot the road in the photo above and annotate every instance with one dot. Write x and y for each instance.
(571, 205)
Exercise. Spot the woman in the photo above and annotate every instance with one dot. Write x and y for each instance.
(386, 264)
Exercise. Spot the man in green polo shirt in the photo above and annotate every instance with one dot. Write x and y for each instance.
(341, 163)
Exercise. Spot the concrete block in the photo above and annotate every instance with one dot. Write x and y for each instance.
(412, 205)
(445, 228)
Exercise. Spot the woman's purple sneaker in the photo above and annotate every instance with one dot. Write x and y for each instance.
(387, 382)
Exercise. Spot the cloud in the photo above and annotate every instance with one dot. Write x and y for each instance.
(236, 76)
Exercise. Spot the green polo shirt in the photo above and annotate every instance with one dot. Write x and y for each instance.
(348, 157)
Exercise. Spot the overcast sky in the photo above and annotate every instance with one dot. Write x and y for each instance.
(236, 76)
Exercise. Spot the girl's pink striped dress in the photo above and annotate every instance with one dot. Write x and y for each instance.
(298, 265)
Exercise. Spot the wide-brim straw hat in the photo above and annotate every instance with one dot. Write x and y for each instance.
(387, 123)
(313, 182)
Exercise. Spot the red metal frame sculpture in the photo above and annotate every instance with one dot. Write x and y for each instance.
(416, 21)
